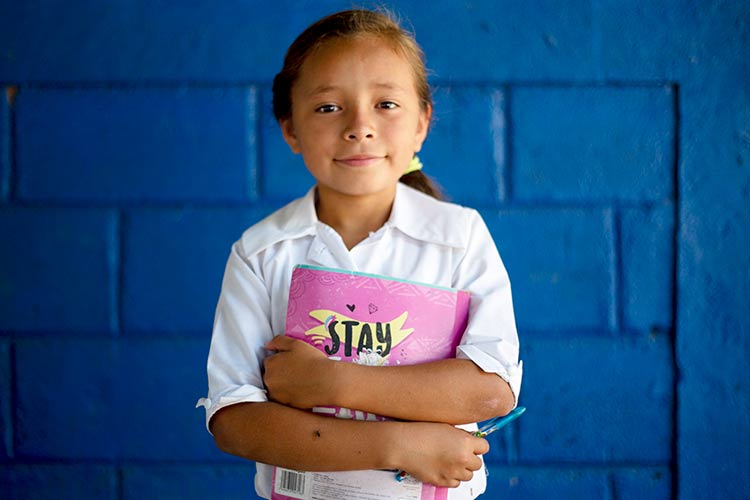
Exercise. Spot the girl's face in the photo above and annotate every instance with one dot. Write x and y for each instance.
(356, 117)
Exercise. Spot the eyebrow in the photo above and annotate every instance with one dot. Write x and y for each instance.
(324, 89)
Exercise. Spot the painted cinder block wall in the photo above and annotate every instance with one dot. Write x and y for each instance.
(607, 144)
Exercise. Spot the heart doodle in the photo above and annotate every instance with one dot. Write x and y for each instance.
(372, 308)
(350, 307)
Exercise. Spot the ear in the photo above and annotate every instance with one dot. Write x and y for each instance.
(423, 126)
(287, 130)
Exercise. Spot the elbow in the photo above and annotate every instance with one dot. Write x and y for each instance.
(504, 406)
(221, 434)
(498, 401)
(226, 429)
(223, 443)
(491, 408)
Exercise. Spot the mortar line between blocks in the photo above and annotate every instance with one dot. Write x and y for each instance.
(617, 313)
(10, 432)
(674, 463)
(119, 482)
(260, 115)
(612, 486)
(118, 257)
(507, 171)
(497, 134)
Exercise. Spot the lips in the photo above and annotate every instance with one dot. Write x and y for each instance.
(359, 160)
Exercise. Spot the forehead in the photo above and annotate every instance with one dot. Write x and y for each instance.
(364, 60)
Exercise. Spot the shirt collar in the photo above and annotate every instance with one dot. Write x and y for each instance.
(299, 218)
(415, 214)
(294, 220)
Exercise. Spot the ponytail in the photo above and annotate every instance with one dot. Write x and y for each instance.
(419, 181)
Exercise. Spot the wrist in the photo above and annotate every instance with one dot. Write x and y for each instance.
(337, 380)
(392, 445)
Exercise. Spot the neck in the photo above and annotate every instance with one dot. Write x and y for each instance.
(354, 217)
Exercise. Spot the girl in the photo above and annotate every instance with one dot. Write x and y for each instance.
(353, 100)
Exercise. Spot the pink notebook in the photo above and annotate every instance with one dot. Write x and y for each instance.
(373, 320)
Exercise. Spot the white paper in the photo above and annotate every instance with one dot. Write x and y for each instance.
(353, 485)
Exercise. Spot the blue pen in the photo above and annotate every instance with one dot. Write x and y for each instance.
(498, 422)
(488, 428)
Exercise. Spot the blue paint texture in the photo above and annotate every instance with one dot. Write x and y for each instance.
(4, 149)
(192, 481)
(558, 256)
(578, 144)
(548, 482)
(187, 248)
(56, 270)
(66, 401)
(590, 425)
(647, 272)
(188, 145)
(283, 175)
(60, 481)
(606, 143)
(6, 430)
(141, 395)
(466, 144)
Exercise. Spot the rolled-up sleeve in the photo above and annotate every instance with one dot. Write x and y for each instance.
(491, 339)
(241, 328)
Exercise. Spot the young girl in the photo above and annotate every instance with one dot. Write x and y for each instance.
(353, 100)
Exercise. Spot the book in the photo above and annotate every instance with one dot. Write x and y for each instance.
(377, 321)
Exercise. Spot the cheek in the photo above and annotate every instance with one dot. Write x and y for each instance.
(316, 133)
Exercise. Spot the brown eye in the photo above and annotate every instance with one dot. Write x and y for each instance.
(388, 105)
(327, 108)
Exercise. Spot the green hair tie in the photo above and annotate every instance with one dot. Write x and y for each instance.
(414, 165)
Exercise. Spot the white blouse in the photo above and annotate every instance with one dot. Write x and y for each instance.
(424, 240)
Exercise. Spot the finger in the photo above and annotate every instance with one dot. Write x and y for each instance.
(481, 446)
(466, 475)
(279, 343)
(475, 463)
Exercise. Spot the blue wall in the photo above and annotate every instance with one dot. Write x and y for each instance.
(607, 144)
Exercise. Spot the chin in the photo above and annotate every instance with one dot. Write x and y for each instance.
(361, 188)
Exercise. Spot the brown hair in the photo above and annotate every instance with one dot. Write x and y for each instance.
(351, 24)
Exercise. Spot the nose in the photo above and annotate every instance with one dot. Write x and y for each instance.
(359, 126)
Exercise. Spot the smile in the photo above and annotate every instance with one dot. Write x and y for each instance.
(358, 160)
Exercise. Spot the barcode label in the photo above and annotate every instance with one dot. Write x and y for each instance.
(290, 483)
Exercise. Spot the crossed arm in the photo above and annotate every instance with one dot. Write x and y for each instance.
(422, 441)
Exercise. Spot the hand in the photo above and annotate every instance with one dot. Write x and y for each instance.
(297, 374)
(440, 454)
